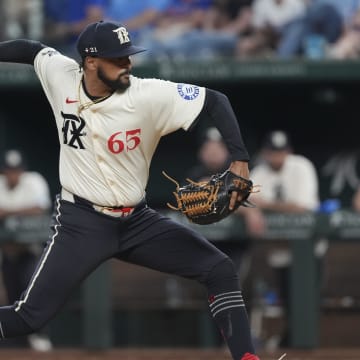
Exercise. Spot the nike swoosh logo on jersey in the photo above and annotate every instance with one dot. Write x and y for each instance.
(69, 101)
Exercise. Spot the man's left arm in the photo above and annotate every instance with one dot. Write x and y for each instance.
(218, 110)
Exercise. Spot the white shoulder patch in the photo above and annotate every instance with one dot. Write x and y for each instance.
(187, 91)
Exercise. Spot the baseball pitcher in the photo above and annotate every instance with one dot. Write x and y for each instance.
(109, 124)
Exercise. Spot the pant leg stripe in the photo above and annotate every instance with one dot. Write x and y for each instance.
(2, 331)
(219, 301)
(215, 308)
(227, 294)
(19, 304)
(227, 307)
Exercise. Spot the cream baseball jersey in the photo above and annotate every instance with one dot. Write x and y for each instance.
(31, 191)
(106, 147)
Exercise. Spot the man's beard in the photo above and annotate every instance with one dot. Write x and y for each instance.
(114, 85)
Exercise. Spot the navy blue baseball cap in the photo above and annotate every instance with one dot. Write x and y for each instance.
(106, 39)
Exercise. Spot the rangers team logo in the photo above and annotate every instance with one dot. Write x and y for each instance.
(122, 34)
(188, 92)
(72, 130)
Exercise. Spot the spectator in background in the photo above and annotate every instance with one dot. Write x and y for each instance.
(270, 21)
(226, 11)
(183, 15)
(291, 187)
(331, 17)
(216, 36)
(66, 18)
(136, 16)
(139, 17)
(22, 193)
(231, 16)
(183, 29)
(348, 45)
(22, 19)
(177, 21)
(324, 22)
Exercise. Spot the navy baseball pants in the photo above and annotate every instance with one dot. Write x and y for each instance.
(83, 238)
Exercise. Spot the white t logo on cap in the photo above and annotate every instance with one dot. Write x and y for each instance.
(122, 34)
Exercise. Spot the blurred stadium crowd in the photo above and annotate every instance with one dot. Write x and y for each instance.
(198, 29)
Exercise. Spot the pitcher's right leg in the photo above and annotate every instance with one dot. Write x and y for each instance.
(75, 249)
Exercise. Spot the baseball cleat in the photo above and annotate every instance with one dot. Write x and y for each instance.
(249, 356)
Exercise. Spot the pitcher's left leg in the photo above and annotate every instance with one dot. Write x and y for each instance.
(172, 248)
(227, 307)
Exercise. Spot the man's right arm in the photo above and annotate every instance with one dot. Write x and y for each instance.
(20, 51)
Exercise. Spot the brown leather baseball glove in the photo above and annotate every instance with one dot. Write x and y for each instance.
(208, 202)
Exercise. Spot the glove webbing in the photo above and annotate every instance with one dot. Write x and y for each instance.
(198, 201)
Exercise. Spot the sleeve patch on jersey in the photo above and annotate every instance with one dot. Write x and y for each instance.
(187, 91)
